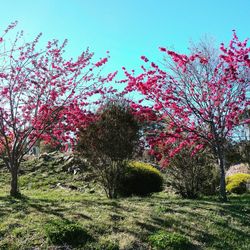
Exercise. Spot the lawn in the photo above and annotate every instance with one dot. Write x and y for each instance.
(124, 223)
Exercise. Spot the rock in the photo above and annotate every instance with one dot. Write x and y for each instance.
(76, 170)
(54, 153)
(73, 164)
(45, 157)
(63, 186)
(70, 161)
(67, 157)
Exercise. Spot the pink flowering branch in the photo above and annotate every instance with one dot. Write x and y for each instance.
(199, 98)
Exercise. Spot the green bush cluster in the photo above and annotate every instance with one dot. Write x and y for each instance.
(140, 179)
(60, 232)
(237, 183)
(166, 240)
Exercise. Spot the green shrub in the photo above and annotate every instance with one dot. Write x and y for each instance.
(140, 179)
(165, 240)
(237, 183)
(192, 175)
(61, 232)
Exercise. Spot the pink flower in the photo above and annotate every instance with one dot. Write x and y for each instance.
(162, 49)
(5, 91)
(144, 58)
(101, 62)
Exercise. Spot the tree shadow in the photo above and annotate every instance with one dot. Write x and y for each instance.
(170, 215)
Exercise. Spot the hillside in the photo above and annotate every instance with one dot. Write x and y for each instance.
(55, 189)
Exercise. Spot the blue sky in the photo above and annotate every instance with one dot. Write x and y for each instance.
(128, 28)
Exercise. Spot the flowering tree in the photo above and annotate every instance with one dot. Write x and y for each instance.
(43, 96)
(199, 97)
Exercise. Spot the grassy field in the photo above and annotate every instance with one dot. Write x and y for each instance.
(113, 224)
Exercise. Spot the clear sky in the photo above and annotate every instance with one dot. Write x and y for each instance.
(128, 28)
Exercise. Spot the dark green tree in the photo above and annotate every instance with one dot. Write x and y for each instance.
(109, 142)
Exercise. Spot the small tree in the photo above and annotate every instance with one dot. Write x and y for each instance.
(43, 96)
(202, 94)
(109, 142)
(191, 176)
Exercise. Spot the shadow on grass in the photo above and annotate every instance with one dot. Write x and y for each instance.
(58, 207)
(28, 205)
(205, 222)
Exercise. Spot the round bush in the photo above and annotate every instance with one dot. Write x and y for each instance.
(166, 240)
(62, 232)
(140, 179)
(237, 183)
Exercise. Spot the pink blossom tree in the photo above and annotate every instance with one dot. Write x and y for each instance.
(43, 96)
(199, 97)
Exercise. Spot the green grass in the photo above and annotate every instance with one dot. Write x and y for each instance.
(115, 224)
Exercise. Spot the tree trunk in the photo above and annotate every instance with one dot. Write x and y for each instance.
(222, 164)
(112, 192)
(14, 191)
